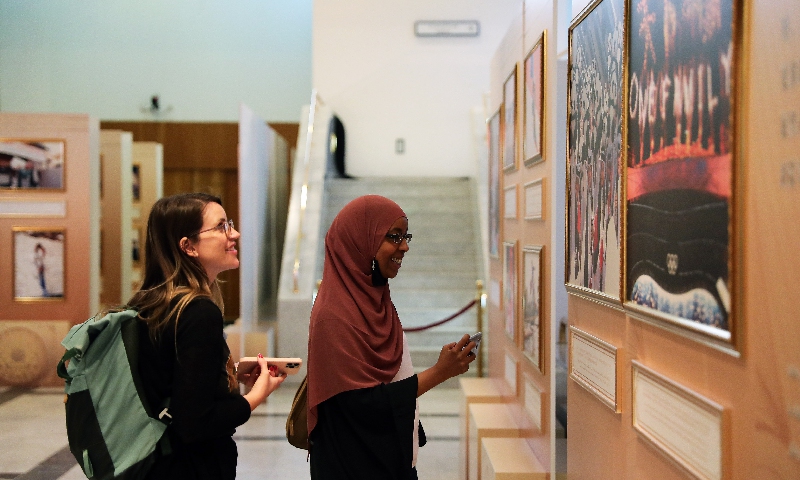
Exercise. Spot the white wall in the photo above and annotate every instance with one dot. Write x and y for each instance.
(202, 57)
(385, 83)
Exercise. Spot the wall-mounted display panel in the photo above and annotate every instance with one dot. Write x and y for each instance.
(680, 166)
(32, 164)
(39, 266)
(532, 304)
(510, 122)
(594, 130)
(493, 125)
(533, 95)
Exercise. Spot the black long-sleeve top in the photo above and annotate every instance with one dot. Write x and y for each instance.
(366, 434)
(189, 368)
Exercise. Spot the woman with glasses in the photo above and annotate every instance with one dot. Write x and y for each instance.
(183, 354)
(363, 416)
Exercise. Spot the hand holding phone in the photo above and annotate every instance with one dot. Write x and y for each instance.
(477, 339)
(285, 366)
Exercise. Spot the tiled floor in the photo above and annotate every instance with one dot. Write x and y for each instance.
(34, 439)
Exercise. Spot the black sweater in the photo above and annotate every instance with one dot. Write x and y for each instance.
(190, 370)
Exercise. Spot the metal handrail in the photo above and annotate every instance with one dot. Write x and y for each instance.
(304, 191)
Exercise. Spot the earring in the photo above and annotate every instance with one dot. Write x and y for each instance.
(378, 280)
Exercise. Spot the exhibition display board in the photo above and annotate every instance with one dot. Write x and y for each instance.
(117, 252)
(49, 239)
(521, 146)
(681, 218)
(147, 186)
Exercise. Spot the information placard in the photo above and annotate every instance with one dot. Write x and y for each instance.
(593, 365)
(679, 423)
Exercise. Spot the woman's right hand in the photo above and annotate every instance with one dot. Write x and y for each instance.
(454, 359)
(267, 380)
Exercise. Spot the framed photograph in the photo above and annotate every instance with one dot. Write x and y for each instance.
(510, 288)
(532, 141)
(39, 266)
(532, 304)
(137, 246)
(137, 183)
(680, 167)
(594, 130)
(493, 125)
(32, 164)
(510, 202)
(510, 122)
(534, 199)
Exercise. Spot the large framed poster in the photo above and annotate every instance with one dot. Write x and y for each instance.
(533, 121)
(594, 129)
(493, 125)
(680, 166)
(510, 122)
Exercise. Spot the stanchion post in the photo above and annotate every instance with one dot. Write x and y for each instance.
(480, 299)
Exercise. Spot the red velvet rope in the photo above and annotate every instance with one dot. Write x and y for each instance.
(440, 322)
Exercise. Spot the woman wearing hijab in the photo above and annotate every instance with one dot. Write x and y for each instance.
(363, 416)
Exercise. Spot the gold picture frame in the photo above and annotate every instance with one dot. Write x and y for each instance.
(533, 124)
(594, 250)
(510, 289)
(509, 124)
(532, 324)
(494, 134)
(682, 175)
(39, 264)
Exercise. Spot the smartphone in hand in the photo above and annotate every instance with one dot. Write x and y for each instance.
(477, 339)
(286, 366)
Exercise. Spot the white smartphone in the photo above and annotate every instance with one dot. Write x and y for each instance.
(287, 366)
(477, 339)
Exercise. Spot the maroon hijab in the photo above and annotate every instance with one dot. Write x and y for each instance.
(355, 339)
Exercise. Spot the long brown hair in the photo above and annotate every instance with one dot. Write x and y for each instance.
(169, 272)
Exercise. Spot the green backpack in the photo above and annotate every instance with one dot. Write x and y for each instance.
(113, 433)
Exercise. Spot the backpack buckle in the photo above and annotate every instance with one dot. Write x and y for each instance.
(165, 413)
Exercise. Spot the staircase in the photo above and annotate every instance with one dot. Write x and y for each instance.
(439, 270)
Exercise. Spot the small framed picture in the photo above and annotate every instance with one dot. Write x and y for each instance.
(137, 246)
(494, 184)
(39, 266)
(510, 202)
(510, 122)
(136, 181)
(510, 288)
(534, 199)
(532, 146)
(532, 304)
(32, 164)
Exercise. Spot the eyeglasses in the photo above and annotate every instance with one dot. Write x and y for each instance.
(226, 227)
(397, 239)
